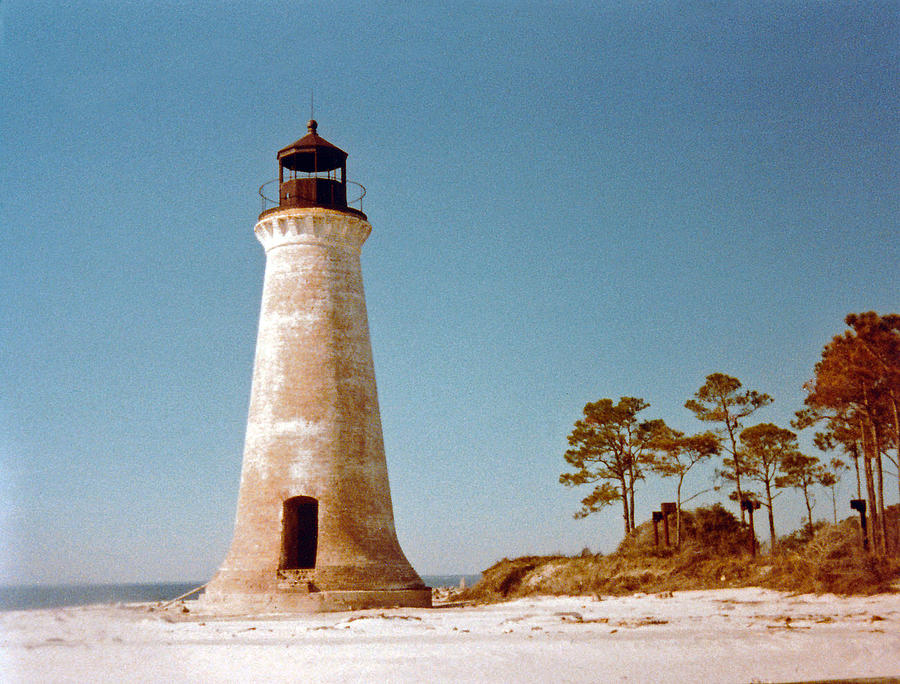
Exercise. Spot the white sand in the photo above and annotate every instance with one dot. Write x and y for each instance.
(739, 635)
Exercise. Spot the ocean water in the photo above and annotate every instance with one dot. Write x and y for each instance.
(47, 596)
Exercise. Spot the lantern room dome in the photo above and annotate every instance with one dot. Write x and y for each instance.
(312, 153)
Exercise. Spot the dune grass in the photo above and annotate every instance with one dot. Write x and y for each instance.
(713, 555)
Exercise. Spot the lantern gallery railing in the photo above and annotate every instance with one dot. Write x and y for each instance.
(269, 195)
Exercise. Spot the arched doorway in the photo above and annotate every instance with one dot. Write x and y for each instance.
(299, 533)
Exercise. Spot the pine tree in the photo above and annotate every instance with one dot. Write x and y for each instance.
(766, 449)
(609, 448)
(674, 454)
(720, 400)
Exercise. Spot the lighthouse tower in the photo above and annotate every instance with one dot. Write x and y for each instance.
(314, 529)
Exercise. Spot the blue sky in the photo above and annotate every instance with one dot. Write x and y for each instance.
(570, 201)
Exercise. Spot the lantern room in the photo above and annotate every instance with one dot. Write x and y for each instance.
(312, 173)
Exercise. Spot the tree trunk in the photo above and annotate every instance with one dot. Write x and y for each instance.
(624, 486)
(771, 517)
(737, 464)
(855, 456)
(737, 486)
(631, 497)
(875, 454)
(879, 490)
(808, 507)
(896, 439)
(678, 512)
(870, 490)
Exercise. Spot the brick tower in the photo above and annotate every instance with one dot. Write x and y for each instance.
(314, 528)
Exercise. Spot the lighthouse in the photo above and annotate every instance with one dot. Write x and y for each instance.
(314, 528)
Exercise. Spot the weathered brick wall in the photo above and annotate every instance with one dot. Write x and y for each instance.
(314, 427)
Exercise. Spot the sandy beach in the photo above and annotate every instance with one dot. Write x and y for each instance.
(738, 635)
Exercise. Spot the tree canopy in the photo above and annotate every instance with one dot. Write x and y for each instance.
(609, 447)
(851, 402)
(766, 449)
(855, 393)
(674, 454)
(719, 400)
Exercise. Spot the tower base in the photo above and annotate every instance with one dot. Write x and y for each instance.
(314, 601)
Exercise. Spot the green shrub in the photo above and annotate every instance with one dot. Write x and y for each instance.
(799, 539)
(717, 530)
